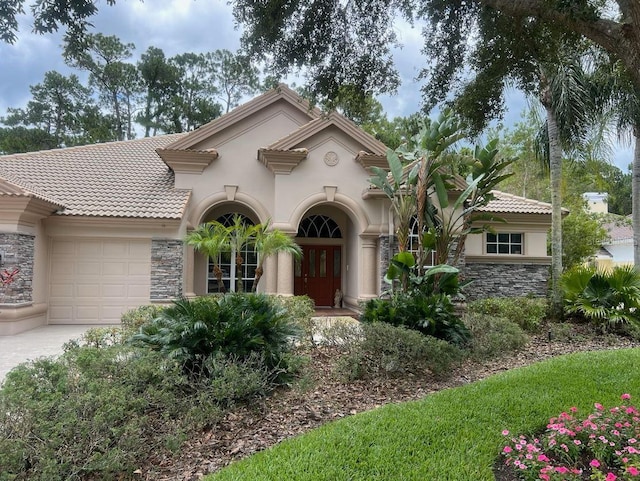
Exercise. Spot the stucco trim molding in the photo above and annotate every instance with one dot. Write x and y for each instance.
(282, 161)
(206, 204)
(508, 259)
(368, 160)
(187, 161)
(351, 207)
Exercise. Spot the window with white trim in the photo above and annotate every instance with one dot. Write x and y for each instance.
(227, 263)
(414, 242)
(505, 243)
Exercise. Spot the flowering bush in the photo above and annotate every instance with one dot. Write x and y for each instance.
(604, 446)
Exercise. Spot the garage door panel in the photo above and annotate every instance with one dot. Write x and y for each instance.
(115, 269)
(88, 268)
(139, 269)
(95, 281)
(89, 248)
(116, 249)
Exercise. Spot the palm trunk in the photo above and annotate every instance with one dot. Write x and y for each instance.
(555, 170)
(635, 196)
(256, 279)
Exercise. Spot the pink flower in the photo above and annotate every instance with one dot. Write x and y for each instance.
(633, 471)
(573, 409)
(505, 432)
(562, 469)
(598, 406)
(507, 449)
(577, 442)
(594, 463)
(543, 458)
(611, 477)
(625, 396)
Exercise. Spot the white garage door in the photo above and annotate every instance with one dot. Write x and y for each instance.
(95, 281)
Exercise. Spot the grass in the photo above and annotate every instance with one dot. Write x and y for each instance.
(451, 435)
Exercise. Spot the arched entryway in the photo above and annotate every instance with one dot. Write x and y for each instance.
(323, 235)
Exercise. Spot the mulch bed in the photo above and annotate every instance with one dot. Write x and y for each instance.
(320, 398)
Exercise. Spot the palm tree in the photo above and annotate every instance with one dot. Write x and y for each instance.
(212, 239)
(269, 242)
(566, 97)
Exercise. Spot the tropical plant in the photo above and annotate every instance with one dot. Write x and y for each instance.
(212, 239)
(238, 325)
(267, 242)
(433, 315)
(606, 298)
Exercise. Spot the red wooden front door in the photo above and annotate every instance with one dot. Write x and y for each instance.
(318, 273)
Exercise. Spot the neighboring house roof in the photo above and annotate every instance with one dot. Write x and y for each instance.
(620, 230)
(505, 203)
(114, 179)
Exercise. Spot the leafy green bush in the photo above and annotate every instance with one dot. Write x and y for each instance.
(527, 312)
(492, 336)
(235, 324)
(299, 310)
(433, 315)
(383, 349)
(97, 413)
(133, 319)
(605, 298)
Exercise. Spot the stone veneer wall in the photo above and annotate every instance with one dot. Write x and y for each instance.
(166, 269)
(385, 245)
(18, 252)
(506, 280)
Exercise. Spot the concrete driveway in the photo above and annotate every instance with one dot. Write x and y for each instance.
(39, 342)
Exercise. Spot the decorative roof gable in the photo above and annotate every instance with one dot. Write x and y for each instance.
(281, 92)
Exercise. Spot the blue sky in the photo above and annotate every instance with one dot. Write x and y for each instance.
(178, 26)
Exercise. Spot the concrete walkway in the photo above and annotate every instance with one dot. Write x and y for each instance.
(39, 342)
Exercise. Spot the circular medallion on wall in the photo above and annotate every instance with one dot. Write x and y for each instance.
(331, 158)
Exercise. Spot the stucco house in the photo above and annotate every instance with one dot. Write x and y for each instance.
(98, 229)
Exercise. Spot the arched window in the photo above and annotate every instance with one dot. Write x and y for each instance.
(227, 262)
(319, 226)
(414, 237)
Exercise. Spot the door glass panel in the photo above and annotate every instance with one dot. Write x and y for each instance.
(323, 263)
(312, 262)
(298, 267)
(337, 263)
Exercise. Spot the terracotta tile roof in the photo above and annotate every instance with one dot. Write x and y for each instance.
(513, 204)
(114, 179)
(9, 189)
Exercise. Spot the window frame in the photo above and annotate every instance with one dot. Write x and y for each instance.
(499, 243)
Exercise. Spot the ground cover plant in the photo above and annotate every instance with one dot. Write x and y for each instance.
(451, 435)
(601, 446)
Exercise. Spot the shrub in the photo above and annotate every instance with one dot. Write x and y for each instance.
(433, 315)
(492, 336)
(527, 312)
(602, 446)
(605, 298)
(386, 350)
(235, 324)
(97, 413)
(133, 319)
(299, 310)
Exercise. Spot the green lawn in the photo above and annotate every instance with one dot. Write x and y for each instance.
(451, 435)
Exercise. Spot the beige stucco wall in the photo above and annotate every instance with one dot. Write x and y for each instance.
(534, 229)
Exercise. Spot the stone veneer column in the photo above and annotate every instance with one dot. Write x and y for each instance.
(18, 253)
(285, 274)
(166, 269)
(369, 267)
